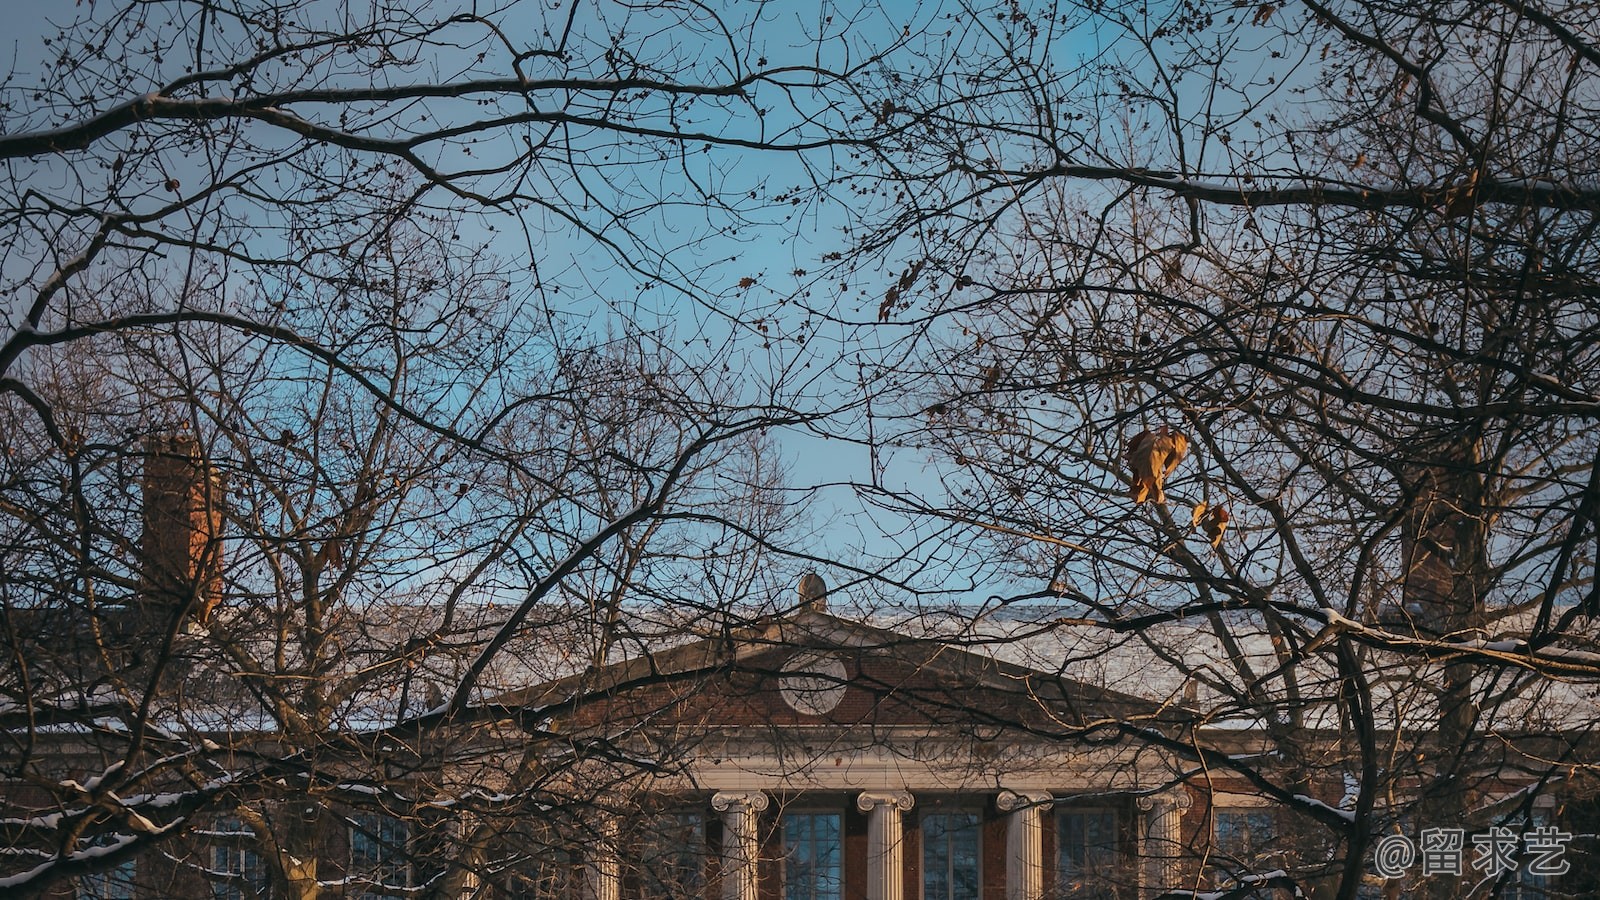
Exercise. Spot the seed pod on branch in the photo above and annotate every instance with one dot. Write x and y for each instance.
(1151, 456)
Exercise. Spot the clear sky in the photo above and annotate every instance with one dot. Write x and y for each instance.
(734, 276)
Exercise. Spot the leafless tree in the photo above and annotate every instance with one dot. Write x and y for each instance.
(1348, 249)
(392, 313)
(349, 355)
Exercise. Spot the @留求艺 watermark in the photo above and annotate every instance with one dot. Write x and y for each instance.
(1443, 851)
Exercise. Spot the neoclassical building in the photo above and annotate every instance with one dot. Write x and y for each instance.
(835, 759)
(818, 756)
(815, 756)
(805, 754)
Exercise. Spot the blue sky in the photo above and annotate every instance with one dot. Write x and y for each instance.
(756, 325)
(711, 257)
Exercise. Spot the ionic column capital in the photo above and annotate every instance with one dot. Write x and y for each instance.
(739, 801)
(885, 846)
(1012, 801)
(866, 801)
(1177, 798)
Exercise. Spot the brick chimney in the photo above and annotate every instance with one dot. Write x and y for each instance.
(1439, 538)
(1427, 551)
(182, 543)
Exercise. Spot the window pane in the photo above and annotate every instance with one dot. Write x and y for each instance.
(1523, 884)
(232, 857)
(1087, 838)
(672, 856)
(811, 862)
(549, 874)
(115, 883)
(1087, 861)
(378, 856)
(1245, 834)
(950, 856)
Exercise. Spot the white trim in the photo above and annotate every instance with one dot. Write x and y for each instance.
(885, 842)
(741, 842)
(1160, 840)
(1024, 841)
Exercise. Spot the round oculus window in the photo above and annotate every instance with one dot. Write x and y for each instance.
(813, 683)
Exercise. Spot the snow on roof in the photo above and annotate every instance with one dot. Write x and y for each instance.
(401, 660)
(1195, 661)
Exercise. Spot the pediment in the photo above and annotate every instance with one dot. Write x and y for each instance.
(816, 669)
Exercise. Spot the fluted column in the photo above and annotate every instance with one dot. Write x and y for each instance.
(602, 869)
(741, 842)
(885, 842)
(1161, 841)
(1024, 842)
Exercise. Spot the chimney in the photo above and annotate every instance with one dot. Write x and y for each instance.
(1426, 552)
(1437, 539)
(182, 544)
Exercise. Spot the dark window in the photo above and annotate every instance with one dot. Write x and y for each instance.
(1088, 861)
(812, 868)
(950, 856)
(115, 883)
(237, 870)
(1087, 839)
(672, 856)
(378, 858)
(1246, 834)
(1523, 884)
(1249, 841)
(549, 874)
(535, 860)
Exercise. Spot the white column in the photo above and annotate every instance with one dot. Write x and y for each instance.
(602, 869)
(885, 842)
(1024, 842)
(1161, 841)
(741, 842)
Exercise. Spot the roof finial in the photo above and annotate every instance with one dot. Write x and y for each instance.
(813, 592)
